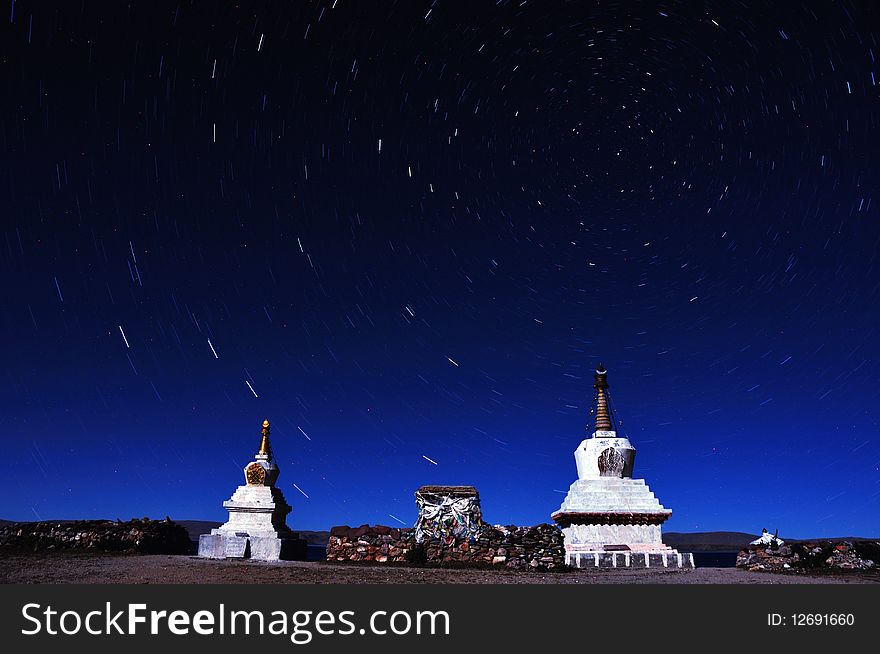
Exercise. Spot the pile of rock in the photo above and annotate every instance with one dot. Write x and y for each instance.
(143, 536)
(527, 548)
(378, 543)
(810, 555)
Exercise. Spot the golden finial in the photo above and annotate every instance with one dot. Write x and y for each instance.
(264, 444)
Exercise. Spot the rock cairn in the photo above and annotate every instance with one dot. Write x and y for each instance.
(377, 543)
(810, 555)
(525, 548)
(143, 536)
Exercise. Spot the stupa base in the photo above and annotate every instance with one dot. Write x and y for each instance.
(593, 537)
(656, 558)
(225, 545)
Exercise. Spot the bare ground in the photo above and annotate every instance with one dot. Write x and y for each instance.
(68, 567)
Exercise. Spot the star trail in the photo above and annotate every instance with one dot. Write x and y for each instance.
(407, 232)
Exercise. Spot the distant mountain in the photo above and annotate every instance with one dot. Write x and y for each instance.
(827, 540)
(196, 528)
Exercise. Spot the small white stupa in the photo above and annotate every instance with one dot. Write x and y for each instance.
(608, 518)
(257, 526)
(767, 538)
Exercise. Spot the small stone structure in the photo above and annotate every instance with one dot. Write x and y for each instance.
(524, 548)
(810, 555)
(143, 536)
(377, 543)
(446, 511)
(766, 538)
(610, 519)
(257, 526)
(450, 530)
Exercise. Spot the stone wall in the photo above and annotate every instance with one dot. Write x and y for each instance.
(144, 536)
(526, 548)
(378, 543)
(810, 555)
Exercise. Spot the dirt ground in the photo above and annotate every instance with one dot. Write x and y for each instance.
(67, 567)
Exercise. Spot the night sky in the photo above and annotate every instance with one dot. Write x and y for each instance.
(408, 232)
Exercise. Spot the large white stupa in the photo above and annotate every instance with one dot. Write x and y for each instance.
(257, 526)
(608, 518)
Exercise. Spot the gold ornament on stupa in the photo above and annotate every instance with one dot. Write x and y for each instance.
(265, 448)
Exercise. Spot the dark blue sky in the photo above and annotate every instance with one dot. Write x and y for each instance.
(409, 231)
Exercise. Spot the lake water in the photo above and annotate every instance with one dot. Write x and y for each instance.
(316, 552)
(715, 559)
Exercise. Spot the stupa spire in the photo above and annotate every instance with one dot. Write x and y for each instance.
(603, 416)
(265, 447)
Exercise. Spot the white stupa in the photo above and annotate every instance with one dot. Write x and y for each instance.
(257, 526)
(608, 518)
(767, 538)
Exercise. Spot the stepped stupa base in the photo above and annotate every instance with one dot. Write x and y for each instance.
(658, 559)
(225, 545)
(618, 543)
(256, 529)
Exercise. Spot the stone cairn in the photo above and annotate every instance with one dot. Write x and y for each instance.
(809, 555)
(450, 531)
(524, 548)
(377, 543)
(143, 536)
